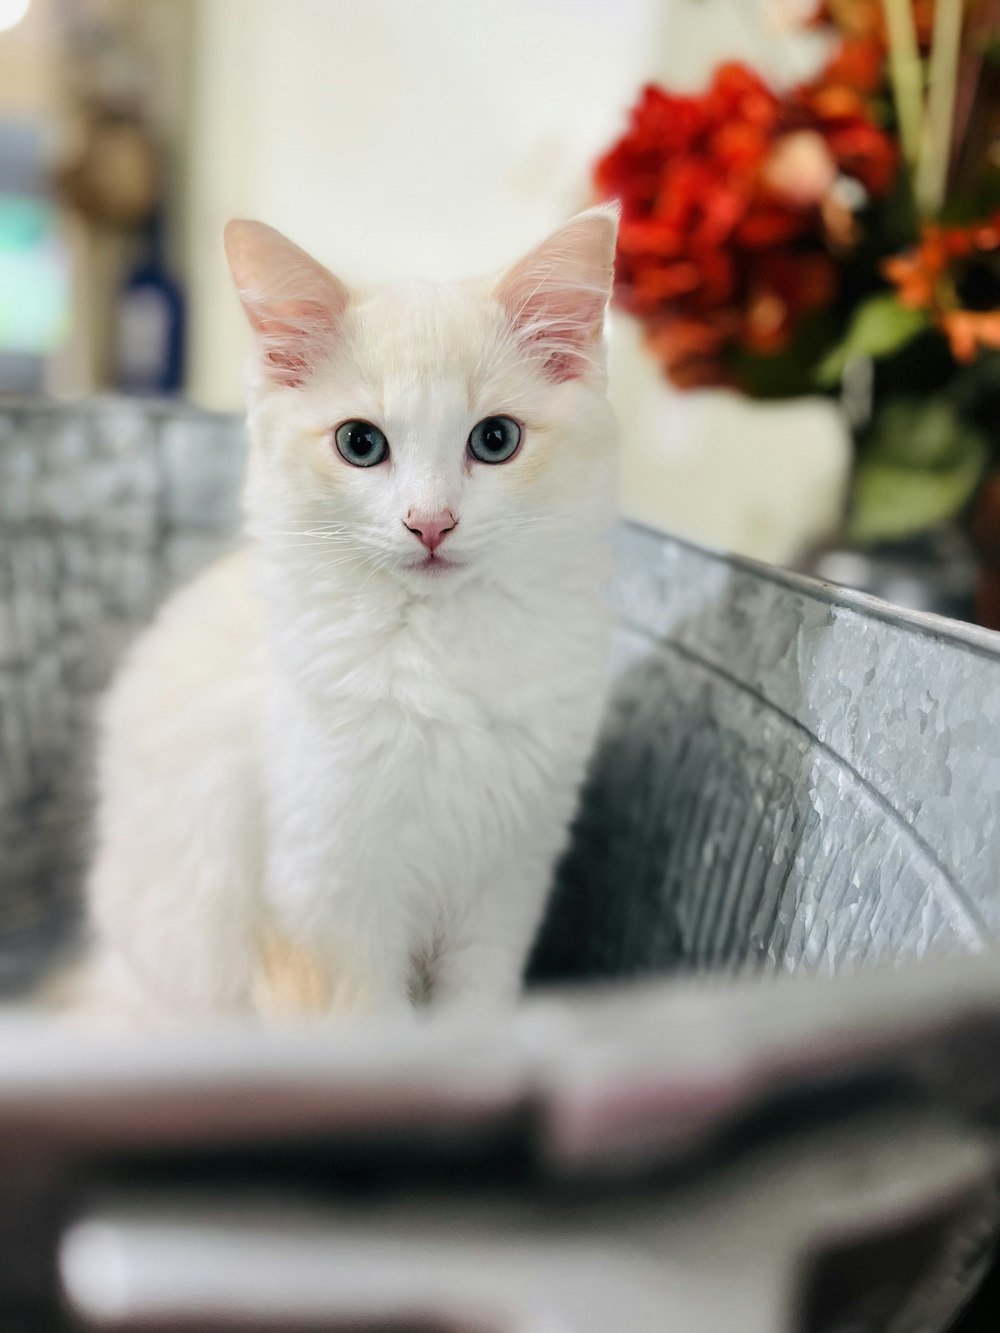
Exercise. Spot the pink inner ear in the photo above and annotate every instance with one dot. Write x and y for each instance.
(562, 338)
(294, 304)
(293, 337)
(555, 297)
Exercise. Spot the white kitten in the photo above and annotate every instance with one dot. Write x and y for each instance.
(338, 770)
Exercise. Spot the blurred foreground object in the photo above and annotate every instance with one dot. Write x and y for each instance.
(809, 1156)
(841, 236)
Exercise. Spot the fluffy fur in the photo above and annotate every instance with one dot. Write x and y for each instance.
(335, 774)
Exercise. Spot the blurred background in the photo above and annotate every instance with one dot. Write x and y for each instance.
(442, 139)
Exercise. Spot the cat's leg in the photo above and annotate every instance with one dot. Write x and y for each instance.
(482, 959)
(339, 940)
(290, 981)
(173, 892)
(343, 971)
(477, 972)
(336, 945)
(173, 905)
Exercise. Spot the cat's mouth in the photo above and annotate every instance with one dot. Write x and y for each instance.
(434, 565)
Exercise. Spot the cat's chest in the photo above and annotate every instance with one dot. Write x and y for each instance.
(445, 724)
(493, 664)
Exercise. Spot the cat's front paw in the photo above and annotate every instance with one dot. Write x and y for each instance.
(290, 982)
(294, 984)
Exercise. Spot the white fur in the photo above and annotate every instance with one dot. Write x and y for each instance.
(318, 736)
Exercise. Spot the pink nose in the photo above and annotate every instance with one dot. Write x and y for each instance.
(430, 528)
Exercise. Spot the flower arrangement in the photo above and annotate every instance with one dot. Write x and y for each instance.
(842, 237)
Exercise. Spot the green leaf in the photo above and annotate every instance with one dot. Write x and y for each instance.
(879, 327)
(891, 503)
(918, 466)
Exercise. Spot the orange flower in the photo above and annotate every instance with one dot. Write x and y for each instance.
(860, 60)
(953, 273)
(913, 281)
(855, 18)
(916, 274)
(969, 330)
(865, 20)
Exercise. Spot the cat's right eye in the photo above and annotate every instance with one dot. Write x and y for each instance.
(361, 444)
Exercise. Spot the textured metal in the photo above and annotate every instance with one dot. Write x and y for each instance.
(102, 508)
(791, 777)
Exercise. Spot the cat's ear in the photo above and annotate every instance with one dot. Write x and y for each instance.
(294, 304)
(555, 297)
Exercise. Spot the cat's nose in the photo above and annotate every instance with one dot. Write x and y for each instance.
(430, 528)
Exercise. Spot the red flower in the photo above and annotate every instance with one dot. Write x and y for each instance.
(690, 347)
(862, 150)
(729, 206)
(858, 63)
(785, 287)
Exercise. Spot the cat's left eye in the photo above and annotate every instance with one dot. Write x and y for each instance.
(494, 440)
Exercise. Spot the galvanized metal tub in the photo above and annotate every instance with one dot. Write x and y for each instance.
(791, 779)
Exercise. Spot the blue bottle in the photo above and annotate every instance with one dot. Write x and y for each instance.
(150, 332)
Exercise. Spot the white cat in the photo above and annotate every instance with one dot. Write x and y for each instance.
(338, 770)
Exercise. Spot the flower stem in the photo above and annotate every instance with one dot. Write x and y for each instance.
(935, 148)
(906, 74)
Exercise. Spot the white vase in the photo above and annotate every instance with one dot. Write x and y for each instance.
(764, 479)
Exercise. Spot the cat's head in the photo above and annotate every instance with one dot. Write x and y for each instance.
(426, 431)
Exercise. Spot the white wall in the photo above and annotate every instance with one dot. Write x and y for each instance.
(392, 138)
(441, 138)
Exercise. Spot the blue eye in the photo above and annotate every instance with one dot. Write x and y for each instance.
(494, 440)
(361, 444)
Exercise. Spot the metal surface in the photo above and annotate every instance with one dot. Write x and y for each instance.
(102, 509)
(791, 779)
